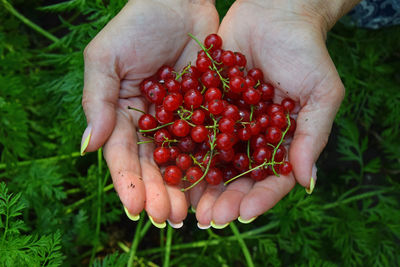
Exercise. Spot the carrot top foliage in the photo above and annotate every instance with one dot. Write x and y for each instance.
(59, 209)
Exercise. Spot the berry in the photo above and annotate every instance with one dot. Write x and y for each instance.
(186, 144)
(213, 41)
(192, 72)
(241, 162)
(288, 104)
(261, 154)
(147, 122)
(210, 79)
(189, 83)
(172, 101)
(279, 120)
(155, 94)
(256, 74)
(161, 136)
(226, 155)
(214, 176)
(273, 135)
(259, 174)
(165, 72)
(183, 161)
(180, 128)
(198, 117)
(267, 91)
(163, 116)
(285, 168)
(232, 112)
(203, 64)
(161, 155)
(193, 174)
(174, 152)
(173, 86)
(228, 58)
(199, 133)
(215, 106)
(172, 175)
(193, 99)
(226, 125)
(251, 96)
(244, 133)
(212, 93)
(225, 141)
(240, 59)
(237, 84)
(263, 120)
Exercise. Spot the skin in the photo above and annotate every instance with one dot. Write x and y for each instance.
(145, 35)
(286, 41)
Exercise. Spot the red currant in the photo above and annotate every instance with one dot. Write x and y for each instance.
(172, 175)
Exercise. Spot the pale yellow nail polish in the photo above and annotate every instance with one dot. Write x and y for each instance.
(175, 225)
(312, 185)
(158, 225)
(130, 216)
(203, 227)
(85, 139)
(246, 221)
(216, 226)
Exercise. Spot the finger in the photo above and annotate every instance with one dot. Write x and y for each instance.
(179, 206)
(196, 193)
(227, 206)
(121, 154)
(314, 124)
(264, 195)
(100, 96)
(204, 207)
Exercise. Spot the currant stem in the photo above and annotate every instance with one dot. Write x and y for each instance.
(280, 142)
(183, 72)
(135, 109)
(155, 129)
(145, 142)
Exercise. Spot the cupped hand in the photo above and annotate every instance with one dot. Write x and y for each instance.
(287, 42)
(145, 35)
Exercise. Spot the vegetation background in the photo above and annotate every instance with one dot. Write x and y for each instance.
(59, 209)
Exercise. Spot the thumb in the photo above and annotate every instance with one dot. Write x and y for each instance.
(100, 96)
(314, 124)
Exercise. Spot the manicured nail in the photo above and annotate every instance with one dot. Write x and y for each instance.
(85, 139)
(246, 221)
(216, 226)
(158, 225)
(192, 209)
(203, 227)
(312, 180)
(175, 225)
(130, 216)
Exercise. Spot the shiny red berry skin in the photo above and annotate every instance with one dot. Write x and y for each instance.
(184, 161)
(263, 120)
(255, 128)
(273, 135)
(165, 72)
(288, 104)
(228, 173)
(251, 96)
(161, 136)
(232, 112)
(180, 128)
(237, 84)
(214, 41)
(274, 108)
(193, 99)
(216, 106)
(267, 91)
(216, 54)
(280, 153)
(203, 63)
(292, 127)
(258, 141)
(172, 175)
(244, 115)
(193, 174)
(256, 74)
(198, 117)
(250, 82)
(147, 122)
(199, 133)
(145, 84)
(189, 83)
(241, 162)
(212, 93)
(235, 71)
(228, 58)
(262, 154)
(155, 94)
(226, 125)
(161, 155)
(226, 155)
(259, 174)
(172, 101)
(285, 168)
(225, 141)
(174, 152)
(240, 59)
(279, 120)
(186, 144)
(244, 133)
(260, 108)
(172, 86)
(192, 72)
(164, 116)
(214, 176)
(210, 79)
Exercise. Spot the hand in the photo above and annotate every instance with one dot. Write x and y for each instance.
(287, 42)
(145, 35)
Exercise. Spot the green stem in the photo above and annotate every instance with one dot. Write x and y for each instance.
(280, 142)
(242, 244)
(28, 162)
(28, 22)
(135, 109)
(168, 246)
(157, 128)
(183, 72)
(135, 242)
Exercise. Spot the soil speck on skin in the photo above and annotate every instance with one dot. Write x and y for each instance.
(306, 119)
(278, 83)
(131, 186)
(140, 178)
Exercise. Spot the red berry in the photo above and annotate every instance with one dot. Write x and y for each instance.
(279, 120)
(228, 173)
(250, 82)
(225, 141)
(273, 135)
(240, 59)
(256, 74)
(210, 79)
(203, 63)
(280, 153)
(173, 86)
(165, 72)
(192, 72)
(198, 117)
(241, 162)
(285, 168)
(258, 141)
(174, 151)
(189, 83)
(228, 58)
(255, 128)
(193, 174)
(226, 125)
(244, 133)
(193, 99)
(184, 161)
(237, 84)
(212, 93)
(292, 127)
(186, 144)
(155, 94)
(164, 116)
(263, 120)
(274, 108)
(251, 96)
(262, 154)
(161, 136)
(214, 176)
(161, 155)
(145, 84)
(288, 104)
(199, 133)
(172, 175)
(216, 106)
(180, 128)
(172, 101)
(267, 91)
(147, 122)
(244, 115)
(226, 155)
(214, 41)
(259, 174)
(216, 54)
(260, 108)
(235, 71)
(232, 112)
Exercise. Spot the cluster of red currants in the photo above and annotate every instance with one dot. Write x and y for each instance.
(215, 122)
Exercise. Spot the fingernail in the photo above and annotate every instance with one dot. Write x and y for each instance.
(312, 180)
(85, 139)
(130, 216)
(158, 225)
(203, 227)
(175, 225)
(216, 226)
(192, 209)
(246, 221)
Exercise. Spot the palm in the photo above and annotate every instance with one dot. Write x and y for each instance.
(143, 37)
(291, 52)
